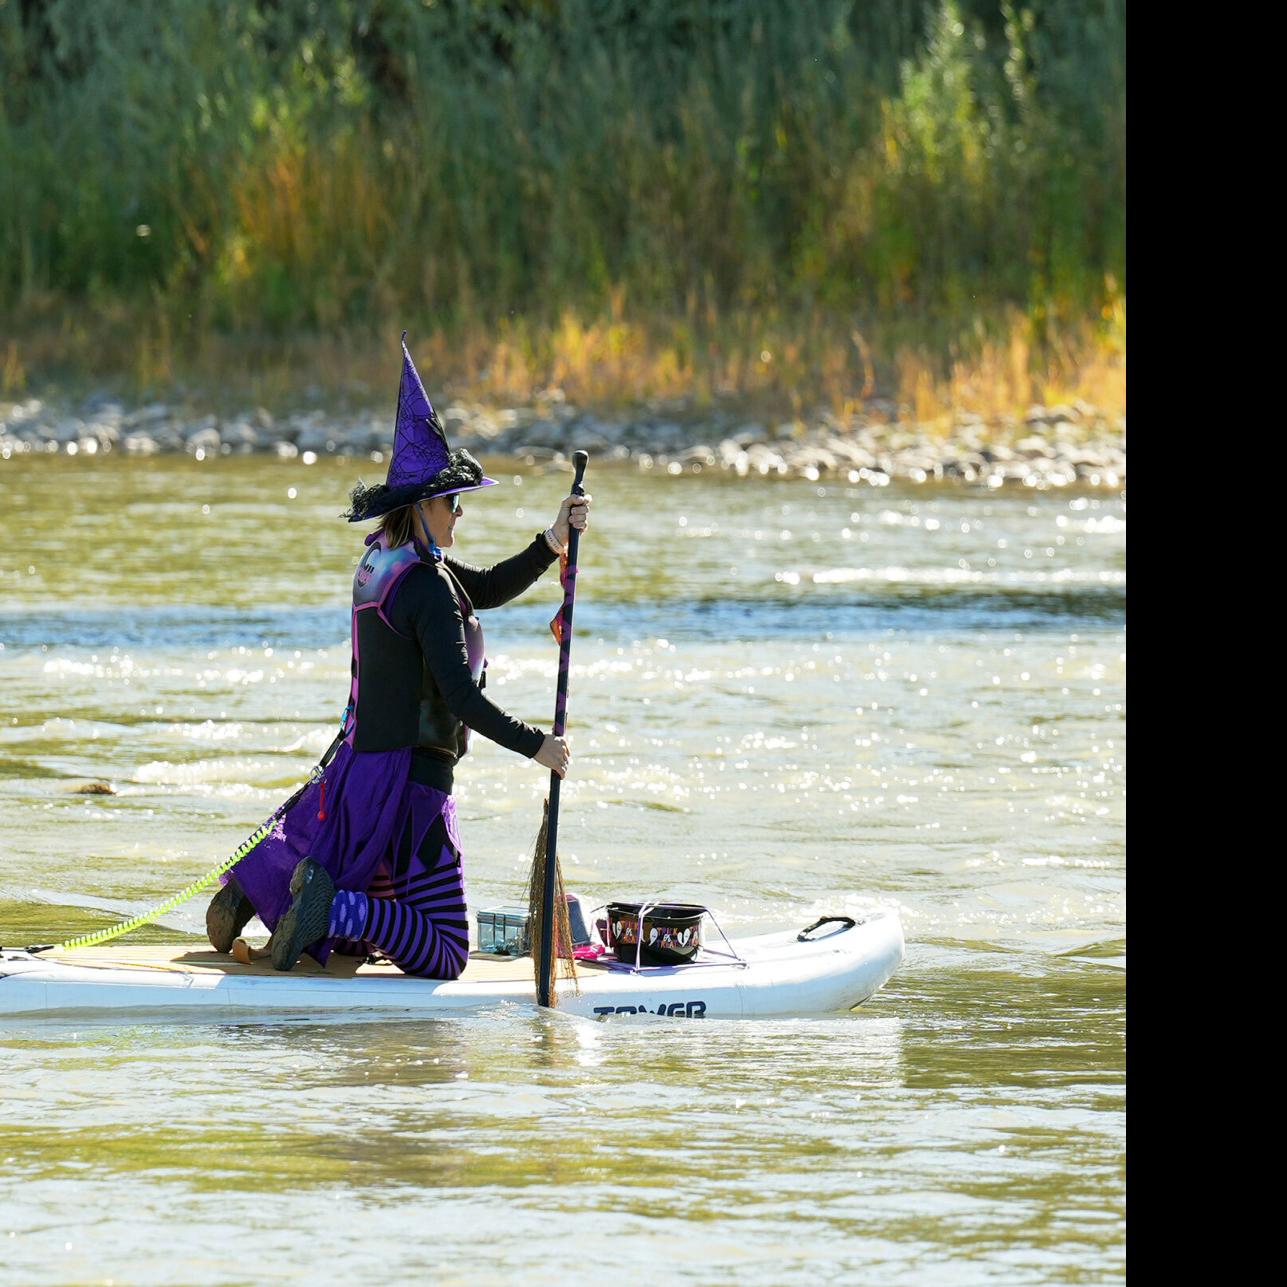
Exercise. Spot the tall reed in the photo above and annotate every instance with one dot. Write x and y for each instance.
(543, 169)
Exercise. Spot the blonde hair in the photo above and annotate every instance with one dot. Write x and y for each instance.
(395, 527)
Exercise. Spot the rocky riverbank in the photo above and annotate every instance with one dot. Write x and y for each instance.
(1047, 447)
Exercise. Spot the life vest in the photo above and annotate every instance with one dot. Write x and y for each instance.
(393, 699)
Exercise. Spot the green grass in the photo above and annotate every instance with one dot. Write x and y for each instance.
(544, 190)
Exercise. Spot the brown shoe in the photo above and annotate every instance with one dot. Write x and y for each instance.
(228, 914)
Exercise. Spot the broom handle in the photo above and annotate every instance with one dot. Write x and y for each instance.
(579, 460)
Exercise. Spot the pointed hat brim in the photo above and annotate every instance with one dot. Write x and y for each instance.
(462, 474)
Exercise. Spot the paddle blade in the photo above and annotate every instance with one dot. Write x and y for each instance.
(562, 964)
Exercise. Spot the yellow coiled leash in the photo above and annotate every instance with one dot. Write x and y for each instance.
(202, 882)
(177, 900)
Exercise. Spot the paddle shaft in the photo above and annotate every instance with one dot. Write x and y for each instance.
(579, 460)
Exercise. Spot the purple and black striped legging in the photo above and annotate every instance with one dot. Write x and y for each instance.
(414, 914)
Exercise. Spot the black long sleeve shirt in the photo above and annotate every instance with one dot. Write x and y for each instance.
(426, 606)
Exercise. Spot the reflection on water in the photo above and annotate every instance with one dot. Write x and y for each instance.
(787, 700)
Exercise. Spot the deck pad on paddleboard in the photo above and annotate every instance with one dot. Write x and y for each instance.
(193, 960)
(776, 974)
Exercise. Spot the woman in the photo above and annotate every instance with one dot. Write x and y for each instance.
(369, 857)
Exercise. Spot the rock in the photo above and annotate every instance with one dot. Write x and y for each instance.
(909, 462)
(1089, 457)
(106, 432)
(204, 440)
(316, 438)
(636, 434)
(139, 443)
(816, 458)
(19, 413)
(343, 439)
(483, 427)
(167, 437)
(764, 460)
(668, 434)
(241, 435)
(615, 431)
(1034, 445)
(58, 431)
(285, 450)
(749, 434)
(542, 433)
(502, 445)
(590, 440)
(201, 425)
(151, 414)
(701, 454)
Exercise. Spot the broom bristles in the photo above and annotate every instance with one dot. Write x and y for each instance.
(561, 961)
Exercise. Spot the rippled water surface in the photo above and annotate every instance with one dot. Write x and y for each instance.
(787, 699)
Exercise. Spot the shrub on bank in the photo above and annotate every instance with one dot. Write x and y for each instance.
(885, 178)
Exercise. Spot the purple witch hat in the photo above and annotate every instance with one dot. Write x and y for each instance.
(423, 465)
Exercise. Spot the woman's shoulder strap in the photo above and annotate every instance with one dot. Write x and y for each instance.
(380, 570)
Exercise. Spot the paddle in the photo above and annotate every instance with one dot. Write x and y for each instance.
(545, 930)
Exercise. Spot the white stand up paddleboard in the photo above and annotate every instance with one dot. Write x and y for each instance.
(835, 967)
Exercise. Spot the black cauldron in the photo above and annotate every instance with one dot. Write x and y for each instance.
(672, 932)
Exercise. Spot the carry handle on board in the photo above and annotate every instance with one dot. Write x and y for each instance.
(847, 921)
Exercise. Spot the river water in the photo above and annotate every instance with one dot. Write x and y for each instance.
(788, 699)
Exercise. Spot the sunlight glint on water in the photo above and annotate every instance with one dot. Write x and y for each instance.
(786, 700)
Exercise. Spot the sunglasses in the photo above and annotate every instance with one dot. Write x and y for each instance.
(453, 502)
